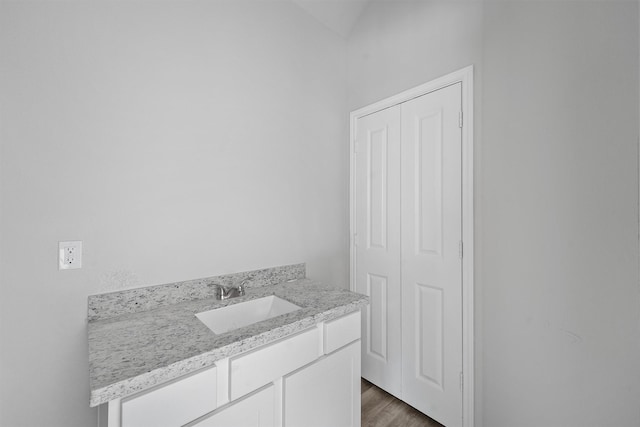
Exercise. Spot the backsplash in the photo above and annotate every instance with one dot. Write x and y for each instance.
(112, 304)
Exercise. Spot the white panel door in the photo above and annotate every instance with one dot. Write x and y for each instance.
(431, 262)
(377, 244)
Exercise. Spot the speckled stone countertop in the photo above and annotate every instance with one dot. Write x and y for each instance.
(137, 350)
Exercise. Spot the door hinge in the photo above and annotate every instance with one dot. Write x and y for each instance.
(355, 239)
(460, 119)
(460, 249)
(355, 146)
(461, 381)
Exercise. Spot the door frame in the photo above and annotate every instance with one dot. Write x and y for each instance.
(464, 76)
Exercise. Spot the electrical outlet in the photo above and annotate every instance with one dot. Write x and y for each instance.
(69, 255)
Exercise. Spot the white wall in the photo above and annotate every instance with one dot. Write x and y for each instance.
(561, 302)
(177, 140)
(393, 45)
(556, 188)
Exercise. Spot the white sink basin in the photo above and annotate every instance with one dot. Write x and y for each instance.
(225, 319)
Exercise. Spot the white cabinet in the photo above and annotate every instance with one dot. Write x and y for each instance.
(311, 378)
(325, 393)
(255, 410)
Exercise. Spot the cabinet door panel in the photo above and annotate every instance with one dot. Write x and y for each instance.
(256, 410)
(326, 393)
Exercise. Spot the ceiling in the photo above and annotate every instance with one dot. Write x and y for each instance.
(337, 15)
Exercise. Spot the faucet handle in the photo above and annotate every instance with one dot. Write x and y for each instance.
(241, 287)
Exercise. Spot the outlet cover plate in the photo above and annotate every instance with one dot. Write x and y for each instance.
(69, 255)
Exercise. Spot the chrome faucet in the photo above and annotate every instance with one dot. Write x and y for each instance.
(226, 292)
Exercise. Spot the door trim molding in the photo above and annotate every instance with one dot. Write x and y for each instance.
(464, 76)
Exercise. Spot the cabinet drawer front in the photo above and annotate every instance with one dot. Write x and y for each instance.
(253, 370)
(342, 331)
(159, 407)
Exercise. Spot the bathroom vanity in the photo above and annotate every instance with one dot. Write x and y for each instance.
(160, 365)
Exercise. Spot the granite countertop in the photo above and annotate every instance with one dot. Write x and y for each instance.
(134, 351)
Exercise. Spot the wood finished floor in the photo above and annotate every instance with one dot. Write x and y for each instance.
(380, 409)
